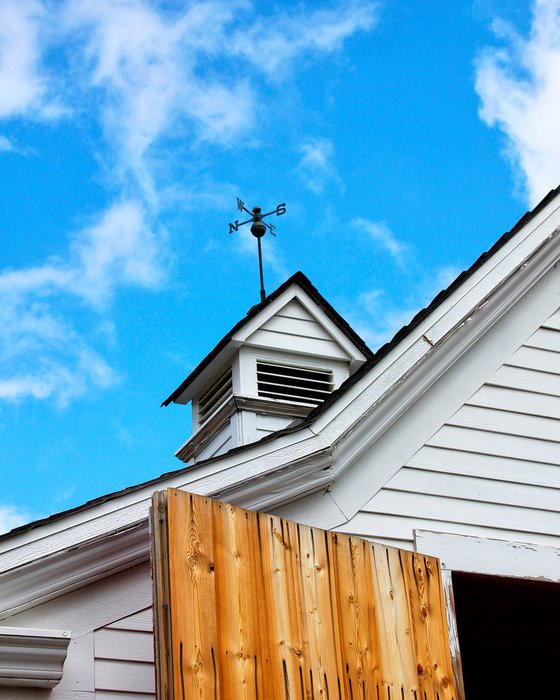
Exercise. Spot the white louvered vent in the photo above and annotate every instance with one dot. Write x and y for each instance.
(215, 396)
(296, 384)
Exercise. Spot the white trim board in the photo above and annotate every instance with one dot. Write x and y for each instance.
(479, 555)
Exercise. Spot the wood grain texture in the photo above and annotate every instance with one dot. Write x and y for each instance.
(265, 608)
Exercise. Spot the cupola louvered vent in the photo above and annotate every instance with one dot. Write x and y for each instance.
(215, 396)
(296, 384)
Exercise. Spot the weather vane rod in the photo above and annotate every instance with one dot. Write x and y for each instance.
(258, 229)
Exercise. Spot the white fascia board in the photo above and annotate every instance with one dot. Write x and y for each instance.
(480, 555)
(32, 657)
(296, 292)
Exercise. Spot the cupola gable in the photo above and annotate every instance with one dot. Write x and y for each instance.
(276, 365)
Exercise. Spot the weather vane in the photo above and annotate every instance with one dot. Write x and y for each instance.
(258, 229)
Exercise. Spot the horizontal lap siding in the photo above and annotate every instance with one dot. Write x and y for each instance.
(293, 328)
(493, 470)
(124, 658)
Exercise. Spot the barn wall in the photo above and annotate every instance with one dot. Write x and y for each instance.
(99, 616)
(493, 469)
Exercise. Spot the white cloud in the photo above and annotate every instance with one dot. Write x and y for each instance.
(144, 72)
(42, 353)
(11, 517)
(519, 85)
(119, 249)
(380, 232)
(316, 166)
(21, 86)
(272, 44)
(143, 64)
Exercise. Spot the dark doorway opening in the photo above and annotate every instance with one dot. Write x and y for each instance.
(509, 635)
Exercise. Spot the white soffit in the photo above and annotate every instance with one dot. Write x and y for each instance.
(32, 657)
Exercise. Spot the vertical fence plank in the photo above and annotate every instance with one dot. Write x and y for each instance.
(237, 612)
(192, 595)
(415, 573)
(396, 649)
(318, 612)
(357, 620)
(262, 608)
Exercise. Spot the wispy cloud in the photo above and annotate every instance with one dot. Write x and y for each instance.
(43, 354)
(381, 234)
(272, 44)
(22, 86)
(144, 72)
(316, 164)
(519, 85)
(143, 64)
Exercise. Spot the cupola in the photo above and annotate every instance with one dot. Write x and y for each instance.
(285, 358)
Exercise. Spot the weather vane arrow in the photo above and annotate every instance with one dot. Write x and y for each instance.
(258, 229)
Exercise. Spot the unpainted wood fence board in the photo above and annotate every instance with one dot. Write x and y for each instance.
(262, 608)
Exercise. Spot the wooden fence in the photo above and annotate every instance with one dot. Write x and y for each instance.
(251, 606)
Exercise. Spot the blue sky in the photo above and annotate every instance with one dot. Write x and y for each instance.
(405, 137)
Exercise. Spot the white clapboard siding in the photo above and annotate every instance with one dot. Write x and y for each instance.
(475, 489)
(486, 466)
(124, 676)
(493, 470)
(526, 380)
(536, 359)
(296, 326)
(129, 645)
(507, 422)
(294, 329)
(379, 526)
(124, 657)
(545, 339)
(141, 621)
(553, 322)
(490, 443)
(516, 401)
(460, 510)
